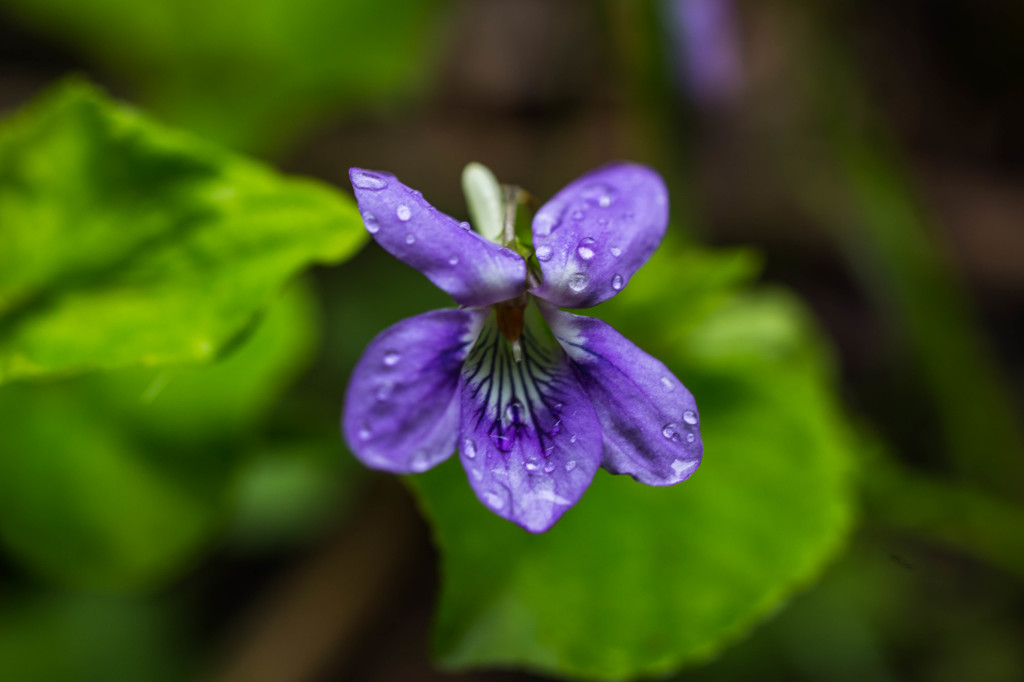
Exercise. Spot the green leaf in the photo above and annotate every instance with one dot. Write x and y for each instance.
(48, 636)
(117, 479)
(638, 580)
(125, 243)
(248, 73)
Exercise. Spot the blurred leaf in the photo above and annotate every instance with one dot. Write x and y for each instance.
(55, 637)
(248, 73)
(285, 494)
(105, 482)
(125, 243)
(638, 580)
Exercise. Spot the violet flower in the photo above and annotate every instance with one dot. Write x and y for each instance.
(533, 412)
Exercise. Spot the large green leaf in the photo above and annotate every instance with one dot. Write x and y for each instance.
(124, 243)
(117, 479)
(248, 73)
(637, 580)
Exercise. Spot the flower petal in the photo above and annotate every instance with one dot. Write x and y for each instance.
(473, 270)
(593, 235)
(401, 414)
(529, 439)
(649, 419)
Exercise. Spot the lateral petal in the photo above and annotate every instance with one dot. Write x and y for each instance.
(473, 270)
(592, 236)
(401, 413)
(649, 419)
(529, 439)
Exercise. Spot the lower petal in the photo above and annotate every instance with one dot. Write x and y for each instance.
(649, 419)
(529, 439)
(401, 414)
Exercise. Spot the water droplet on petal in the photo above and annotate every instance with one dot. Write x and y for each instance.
(384, 391)
(420, 462)
(514, 412)
(469, 449)
(364, 180)
(616, 251)
(603, 222)
(617, 283)
(690, 417)
(549, 466)
(671, 431)
(570, 465)
(586, 248)
(502, 441)
(690, 437)
(403, 213)
(556, 428)
(454, 260)
(364, 431)
(543, 224)
(530, 466)
(410, 239)
(465, 226)
(577, 215)
(578, 282)
(494, 500)
(391, 358)
(573, 438)
(544, 253)
(370, 220)
(667, 383)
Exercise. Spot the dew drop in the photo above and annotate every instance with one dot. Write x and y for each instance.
(616, 251)
(549, 466)
(572, 439)
(671, 431)
(494, 500)
(577, 215)
(690, 437)
(543, 253)
(410, 239)
(586, 248)
(603, 222)
(530, 466)
(578, 282)
(465, 226)
(690, 417)
(370, 220)
(364, 180)
(420, 461)
(454, 260)
(667, 383)
(514, 412)
(403, 213)
(543, 224)
(617, 282)
(384, 391)
(391, 358)
(469, 449)
(364, 431)
(502, 441)
(556, 428)
(570, 465)
(604, 201)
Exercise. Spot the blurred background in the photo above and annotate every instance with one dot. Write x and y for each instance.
(868, 156)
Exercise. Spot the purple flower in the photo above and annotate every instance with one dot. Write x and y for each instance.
(534, 398)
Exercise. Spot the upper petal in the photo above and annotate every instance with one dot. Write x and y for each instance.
(595, 233)
(529, 439)
(649, 419)
(473, 270)
(401, 414)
